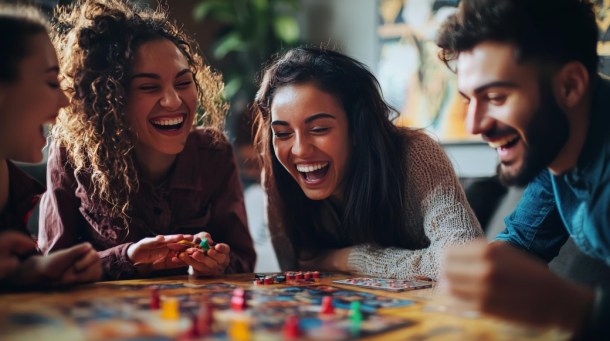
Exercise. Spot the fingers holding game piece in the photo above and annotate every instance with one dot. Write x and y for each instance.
(221, 254)
(201, 264)
(203, 235)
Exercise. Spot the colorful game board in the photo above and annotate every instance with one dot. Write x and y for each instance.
(130, 318)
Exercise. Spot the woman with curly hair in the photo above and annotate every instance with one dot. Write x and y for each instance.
(348, 190)
(132, 169)
(29, 99)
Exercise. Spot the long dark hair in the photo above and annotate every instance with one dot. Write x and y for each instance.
(18, 24)
(373, 210)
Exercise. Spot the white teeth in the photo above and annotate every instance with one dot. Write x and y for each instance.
(503, 141)
(167, 121)
(311, 167)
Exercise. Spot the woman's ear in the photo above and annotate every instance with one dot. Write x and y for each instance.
(571, 84)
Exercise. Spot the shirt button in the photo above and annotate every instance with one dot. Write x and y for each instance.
(157, 210)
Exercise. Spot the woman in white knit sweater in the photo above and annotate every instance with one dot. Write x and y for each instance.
(347, 190)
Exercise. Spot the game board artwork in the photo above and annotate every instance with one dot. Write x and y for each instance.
(310, 312)
(388, 284)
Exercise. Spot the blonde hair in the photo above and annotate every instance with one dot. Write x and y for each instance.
(97, 41)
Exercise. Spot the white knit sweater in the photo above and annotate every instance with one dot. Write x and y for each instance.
(435, 201)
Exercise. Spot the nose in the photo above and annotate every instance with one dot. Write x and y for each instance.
(170, 100)
(301, 146)
(477, 121)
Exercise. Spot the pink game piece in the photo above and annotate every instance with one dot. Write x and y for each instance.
(238, 301)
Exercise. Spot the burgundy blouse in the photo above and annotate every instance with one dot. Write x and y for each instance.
(203, 193)
(24, 193)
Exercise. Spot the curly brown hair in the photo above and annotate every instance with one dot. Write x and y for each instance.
(97, 41)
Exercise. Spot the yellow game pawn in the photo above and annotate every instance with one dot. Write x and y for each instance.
(170, 308)
(239, 330)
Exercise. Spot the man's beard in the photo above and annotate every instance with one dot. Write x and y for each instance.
(546, 135)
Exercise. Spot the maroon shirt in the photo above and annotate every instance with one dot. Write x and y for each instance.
(203, 193)
(24, 193)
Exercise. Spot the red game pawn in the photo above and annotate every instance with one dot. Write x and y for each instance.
(238, 301)
(292, 329)
(205, 319)
(193, 331)
(155, 300)
(327, 306)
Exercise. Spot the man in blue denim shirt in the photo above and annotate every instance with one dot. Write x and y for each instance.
(530, 83)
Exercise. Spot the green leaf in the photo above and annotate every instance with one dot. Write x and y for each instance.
(220, 10)
(286, 28)
(228, 43)
(260, 5)
(232, 86)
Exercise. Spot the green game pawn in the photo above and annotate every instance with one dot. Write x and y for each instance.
(356, 318)
(204, 244)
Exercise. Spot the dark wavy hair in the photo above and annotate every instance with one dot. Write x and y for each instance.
(17, 25)
(550, 32)
(373, 199)
(97, 41)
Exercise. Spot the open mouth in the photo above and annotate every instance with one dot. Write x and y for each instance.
(168, 123)
(313, 173)
(505, 142)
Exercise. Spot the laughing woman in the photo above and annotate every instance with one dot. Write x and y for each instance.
(348, 191)
(131, 169)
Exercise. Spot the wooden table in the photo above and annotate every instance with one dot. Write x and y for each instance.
(430, 322)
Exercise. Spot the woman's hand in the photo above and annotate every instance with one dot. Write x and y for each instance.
(212, 262)
(156, 252)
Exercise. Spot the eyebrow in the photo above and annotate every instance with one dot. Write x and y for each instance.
(496, 84)
(307, 120)
(156, 76)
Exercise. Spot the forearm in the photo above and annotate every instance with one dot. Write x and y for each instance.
(393, 262)
(117, 265)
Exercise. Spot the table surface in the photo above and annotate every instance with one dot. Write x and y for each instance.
(433, 317)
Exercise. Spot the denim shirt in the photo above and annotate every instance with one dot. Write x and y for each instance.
(576, 203)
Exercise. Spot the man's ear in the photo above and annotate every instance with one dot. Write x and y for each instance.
(571, 84)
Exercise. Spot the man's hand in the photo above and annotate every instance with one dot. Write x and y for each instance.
(503, 281)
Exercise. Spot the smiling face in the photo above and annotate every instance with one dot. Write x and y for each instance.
(162, 98)
(514, 111)
(311, 139)
(30, 102)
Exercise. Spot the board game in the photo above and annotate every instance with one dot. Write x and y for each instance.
(388, 284)
(210, 312)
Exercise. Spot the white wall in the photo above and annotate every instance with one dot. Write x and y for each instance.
(351, 25)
